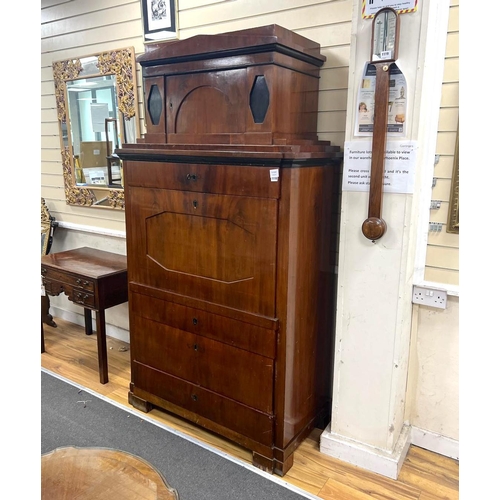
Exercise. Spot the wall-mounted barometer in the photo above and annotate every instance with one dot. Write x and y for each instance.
(384, 49)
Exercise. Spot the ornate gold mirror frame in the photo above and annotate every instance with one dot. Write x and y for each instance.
(48, 225)
(452, 225)
(121, 64)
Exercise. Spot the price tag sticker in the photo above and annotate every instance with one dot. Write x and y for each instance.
(274, 174)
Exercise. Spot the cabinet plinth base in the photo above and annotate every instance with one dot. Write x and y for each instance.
(139, 403)
(271, 465)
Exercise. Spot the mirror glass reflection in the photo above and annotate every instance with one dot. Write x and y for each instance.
(95, 130)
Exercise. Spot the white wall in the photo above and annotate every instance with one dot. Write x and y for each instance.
(434, 374)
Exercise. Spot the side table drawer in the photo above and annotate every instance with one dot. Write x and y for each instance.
(82, 297)
(70, 279)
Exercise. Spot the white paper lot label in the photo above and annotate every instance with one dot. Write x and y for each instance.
(274, 174)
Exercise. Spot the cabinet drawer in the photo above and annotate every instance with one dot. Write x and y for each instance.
(215, 407)
(70, 279)
(234, 373)
(223, 179)
(227, 330)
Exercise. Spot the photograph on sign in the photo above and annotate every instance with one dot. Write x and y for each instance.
(396, 113)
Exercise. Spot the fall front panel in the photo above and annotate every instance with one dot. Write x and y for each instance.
(217, 248)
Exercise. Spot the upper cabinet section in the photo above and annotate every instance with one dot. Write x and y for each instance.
(252, 87)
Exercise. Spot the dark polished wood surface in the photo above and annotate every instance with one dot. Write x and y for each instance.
(101, 474)
(230, 200)
(374, 227)
(92, 278)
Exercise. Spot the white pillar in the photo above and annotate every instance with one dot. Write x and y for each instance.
(373, 324)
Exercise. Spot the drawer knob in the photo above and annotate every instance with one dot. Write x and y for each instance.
(195, 204)
(195, 347)
(194, 397)
(191, 177)
(44, 271)
(195, 321)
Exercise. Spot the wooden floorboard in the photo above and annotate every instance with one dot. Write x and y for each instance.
(424, 475)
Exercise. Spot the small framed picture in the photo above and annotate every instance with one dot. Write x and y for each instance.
(159, 19)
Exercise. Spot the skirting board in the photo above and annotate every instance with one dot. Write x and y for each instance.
(111, 330)
(435, 442)
(364, 456)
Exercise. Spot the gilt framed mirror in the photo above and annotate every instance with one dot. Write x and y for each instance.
(97, 111)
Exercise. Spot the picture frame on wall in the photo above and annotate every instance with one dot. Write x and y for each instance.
(159, 19)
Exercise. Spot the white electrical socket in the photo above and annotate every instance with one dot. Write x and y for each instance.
(432, 297)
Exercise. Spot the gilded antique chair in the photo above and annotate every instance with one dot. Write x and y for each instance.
(48, 225)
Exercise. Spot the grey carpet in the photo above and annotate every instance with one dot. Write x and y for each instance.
(71, 416)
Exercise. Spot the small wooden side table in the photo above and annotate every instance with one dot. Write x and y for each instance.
(93, 279)
(101, 474)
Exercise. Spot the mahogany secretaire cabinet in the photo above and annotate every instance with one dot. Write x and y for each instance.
(230, 200)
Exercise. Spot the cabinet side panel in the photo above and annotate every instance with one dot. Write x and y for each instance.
(305, 301)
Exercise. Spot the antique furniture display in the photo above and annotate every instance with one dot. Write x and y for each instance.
(93, 279)
(100, 474)
(230, 243)
(94, 93)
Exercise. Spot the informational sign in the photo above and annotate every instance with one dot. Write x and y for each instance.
(371, 7)
(399, 171)
(396, 112)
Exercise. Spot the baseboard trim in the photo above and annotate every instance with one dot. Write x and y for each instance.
(78, 319)
(435, 442)
(91, 229)
(367, 457)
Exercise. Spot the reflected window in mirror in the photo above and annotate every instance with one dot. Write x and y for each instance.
(97, 109)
